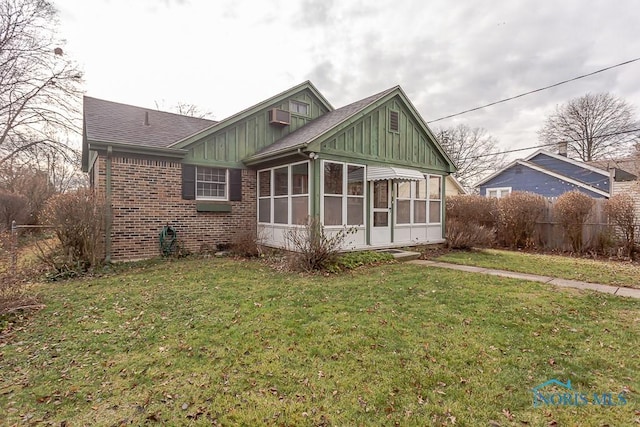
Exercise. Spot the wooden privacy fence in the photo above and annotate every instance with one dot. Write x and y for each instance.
(596, 232)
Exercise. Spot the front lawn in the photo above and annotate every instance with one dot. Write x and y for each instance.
(594, 271)
(200, 342)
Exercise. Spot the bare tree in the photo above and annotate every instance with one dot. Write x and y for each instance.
(186, 109)
(594, 126)
(474, 153)
(39, 87)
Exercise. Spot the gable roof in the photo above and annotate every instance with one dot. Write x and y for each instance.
(538, 168)
(331, 121)
(625, 169)
(107, 121)
(566, 159)
(306, 134)
(229, 121)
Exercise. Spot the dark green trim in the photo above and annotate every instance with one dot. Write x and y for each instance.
(253, 110)
(203, 206)
(368, 160)
(118, 147)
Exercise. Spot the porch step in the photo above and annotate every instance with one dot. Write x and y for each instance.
(401, 255)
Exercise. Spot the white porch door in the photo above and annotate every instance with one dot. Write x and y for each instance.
(380, 212)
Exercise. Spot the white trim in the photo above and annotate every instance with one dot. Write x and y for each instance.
(550, 173)
(456, 184)
(550, 154)
(567, 160)
(226, 185)
(289, 196)
(381, 173)
(499, 190)
(496, 173)
(344, 196)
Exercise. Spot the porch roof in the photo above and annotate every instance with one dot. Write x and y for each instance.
(377, 173)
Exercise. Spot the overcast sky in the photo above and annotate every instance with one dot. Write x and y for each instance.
(448, 56)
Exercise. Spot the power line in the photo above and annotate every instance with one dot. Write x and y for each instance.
(553, 143)
(534, 91)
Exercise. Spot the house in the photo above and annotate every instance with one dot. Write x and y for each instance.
(550, 175)
(373, 165)
(453, 187)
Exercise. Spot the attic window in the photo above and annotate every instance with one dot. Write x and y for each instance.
(297, 107)
(394, 121)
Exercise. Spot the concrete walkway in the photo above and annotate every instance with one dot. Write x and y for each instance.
(614, 290)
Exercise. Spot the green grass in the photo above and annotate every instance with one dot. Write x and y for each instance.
(191, 341)
(606, 272)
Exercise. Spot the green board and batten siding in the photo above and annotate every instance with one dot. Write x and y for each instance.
(230, 144)
(368, 140)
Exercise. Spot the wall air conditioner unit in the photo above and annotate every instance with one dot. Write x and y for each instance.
(279, 117)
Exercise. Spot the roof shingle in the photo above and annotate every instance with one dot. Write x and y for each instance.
(108, 121)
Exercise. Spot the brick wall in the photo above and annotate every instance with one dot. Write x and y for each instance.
(147, 195)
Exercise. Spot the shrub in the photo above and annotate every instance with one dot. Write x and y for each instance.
(572, 210)
(466, 235)
(78, 221)
(470, 221)
(518, 213)
(622, 214)
(246, 243)
(313, 248)
(473, 209)
(13, 207)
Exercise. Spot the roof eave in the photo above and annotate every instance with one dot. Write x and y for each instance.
(122, 147)
(285, 152)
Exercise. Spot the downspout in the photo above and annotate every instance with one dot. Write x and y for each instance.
(109, 211)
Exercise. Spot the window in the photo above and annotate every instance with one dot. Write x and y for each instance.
(264, 196)
(297, 107)
(411, 202)
(420, 202)
(211, 183)
(283, 194)
(299, 193)
(394, 121)
(403, 202)
(435, 199)
(498, 192)
(280, 192)
(343, 195)
(355, 195)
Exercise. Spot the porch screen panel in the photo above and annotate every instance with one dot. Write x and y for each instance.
(435, 199)
(299, 193)
(281, 192)
(333, 190)
(403, 203)
(355, 195)
(420, 202)
(264, 196)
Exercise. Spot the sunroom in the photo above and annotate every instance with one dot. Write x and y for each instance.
(381, 206)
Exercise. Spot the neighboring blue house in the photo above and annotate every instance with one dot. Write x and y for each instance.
(549, 175)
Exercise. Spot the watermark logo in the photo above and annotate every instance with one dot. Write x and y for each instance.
(564, 395)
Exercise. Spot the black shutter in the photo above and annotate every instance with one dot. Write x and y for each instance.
(235, 185)
(188, 182)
